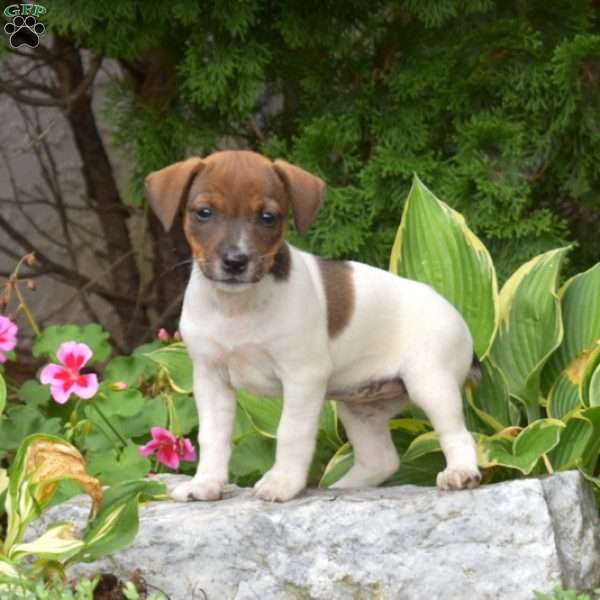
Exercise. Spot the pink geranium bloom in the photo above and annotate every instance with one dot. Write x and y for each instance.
(163, 335)
(8, 336)
(169, 449)
(66, 379)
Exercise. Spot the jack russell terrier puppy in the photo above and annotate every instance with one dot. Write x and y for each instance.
(261, 315)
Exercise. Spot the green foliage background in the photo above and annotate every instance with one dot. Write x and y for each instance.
(493, 103)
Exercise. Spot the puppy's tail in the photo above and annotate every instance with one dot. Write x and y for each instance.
(475, 373)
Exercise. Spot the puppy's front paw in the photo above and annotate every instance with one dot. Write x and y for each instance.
(276, 486)
(199, 488)
(458, 478)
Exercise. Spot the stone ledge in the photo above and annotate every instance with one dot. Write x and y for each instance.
(499, 541)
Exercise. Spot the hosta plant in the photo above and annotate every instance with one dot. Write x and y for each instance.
(42, 462)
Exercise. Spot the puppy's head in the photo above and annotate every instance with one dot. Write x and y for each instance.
(235, 210)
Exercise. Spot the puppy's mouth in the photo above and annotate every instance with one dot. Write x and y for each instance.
(217, 275)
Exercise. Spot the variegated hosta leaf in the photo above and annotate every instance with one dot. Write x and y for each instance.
(490, 399)
(338, 466)
(7, 569)
(590, 455)
(177, 364)
(522, 452)
(563, 397)
(530, 326)
(580, 302)
(3, 481)
(264, 413)
(594, 388)
(57, 543)
(574, 388)
(116, 523)
(41, 462)
(588, 387)
(435, 246)
(569, 452)
(424, 444)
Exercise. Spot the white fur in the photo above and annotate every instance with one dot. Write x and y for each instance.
(271, 339)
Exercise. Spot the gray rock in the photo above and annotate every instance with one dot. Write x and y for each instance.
(500, 541)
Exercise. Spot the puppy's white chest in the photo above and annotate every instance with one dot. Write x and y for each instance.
(252, 369)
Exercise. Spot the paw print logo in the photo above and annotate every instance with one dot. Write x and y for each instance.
(24, 32)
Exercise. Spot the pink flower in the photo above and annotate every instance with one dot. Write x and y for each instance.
(163, 335)
(177, 336)
(169, 449)
(66, 379)
(8, 336)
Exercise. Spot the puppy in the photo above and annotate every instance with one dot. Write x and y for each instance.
(261, 315)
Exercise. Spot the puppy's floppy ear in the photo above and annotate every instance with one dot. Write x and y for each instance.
(305, 191)
(165, 189)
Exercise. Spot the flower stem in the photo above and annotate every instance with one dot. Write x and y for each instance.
(109, 424)
(174, 424)
(23, 303)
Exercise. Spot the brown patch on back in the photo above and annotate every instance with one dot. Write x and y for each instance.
(339, 294)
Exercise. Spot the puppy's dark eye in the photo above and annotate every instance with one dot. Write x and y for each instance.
(204, 213)
(267, 218)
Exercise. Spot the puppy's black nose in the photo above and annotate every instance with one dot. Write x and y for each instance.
(234, 262)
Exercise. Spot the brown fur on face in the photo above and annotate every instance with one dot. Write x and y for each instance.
(237, 186)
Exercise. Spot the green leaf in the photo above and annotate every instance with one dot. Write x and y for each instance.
(594, 388)
(530, 326)
(93, 335)
(264, 413)
(177, 364)
(338, 466)
(524, 451)
(563, 397)
(328, 424)
(253, 454)
(590, 455)
(420, 471)
(123, 403)
(7, 568)
(57, 543)
(580, 303)
(117, 465)
(21, 421)
(405, 431)
(187, 413)
(2, 394)
(490, 399)
(3, 481)
(569, 453)
(128, 369)
(117, 521)
(424, 444)
(434, 245)
(588, 389)
(34, 393)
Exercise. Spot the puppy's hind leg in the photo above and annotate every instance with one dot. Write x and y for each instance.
(438, 394)
(375, 456)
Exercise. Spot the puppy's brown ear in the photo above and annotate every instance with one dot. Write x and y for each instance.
(165, 189)
(305, 191)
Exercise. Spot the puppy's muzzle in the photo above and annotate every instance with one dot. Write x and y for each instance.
(234, 261)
